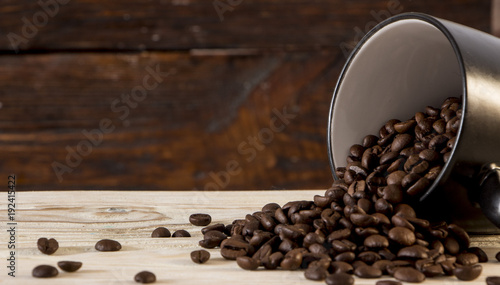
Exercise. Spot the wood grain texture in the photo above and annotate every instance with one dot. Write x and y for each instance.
(208, 112)
(188, 24)
(78, 219)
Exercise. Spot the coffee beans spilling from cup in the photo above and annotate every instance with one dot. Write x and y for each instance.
(364, 224)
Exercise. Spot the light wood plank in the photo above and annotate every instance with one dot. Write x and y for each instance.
(77, 219)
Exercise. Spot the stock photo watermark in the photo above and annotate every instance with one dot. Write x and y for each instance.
(11, 225)
(48, 9)
(120, 106)
(223, 6)
(393, 7)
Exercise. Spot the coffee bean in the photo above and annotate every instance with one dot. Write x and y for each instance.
(497, 256)
(451, 245)
(200, 219)
(108, 245)
(315, 272)
(369, 257)
(409, 274)
(413, 252)
(181, 233)
(401, 141)
(247, 263)
(47, 246)
(366, 271)
(160, 232)
(493, 280)
(339, 279)
(273, 261)
(44, 271)
(467, 259)
(376, 241)
(388, 282)
(345, 257)
(393, 193)
(292, 260)
(232, 248)
(341, 266)
(270, 207)
(396, 177)
(481, 255)
(69, 266)
(212, 239)
(460, 235)
(468, 272)
(145, 277)
(214, 227)
(200, 256)
(402, 236)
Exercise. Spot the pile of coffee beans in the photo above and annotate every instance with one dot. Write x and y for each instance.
(364, 224)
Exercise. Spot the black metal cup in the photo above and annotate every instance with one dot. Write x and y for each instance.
(411, 61)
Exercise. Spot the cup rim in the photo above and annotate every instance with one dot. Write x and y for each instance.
(444, 30)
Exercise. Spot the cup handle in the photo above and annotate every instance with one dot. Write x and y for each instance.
(489, 196)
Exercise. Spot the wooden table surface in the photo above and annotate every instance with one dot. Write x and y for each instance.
(77, 219)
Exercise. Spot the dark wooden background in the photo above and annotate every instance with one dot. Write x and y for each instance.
(226, 80)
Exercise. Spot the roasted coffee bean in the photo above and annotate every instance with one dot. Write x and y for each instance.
(345, 256)
(212, 239)
(393, 193)
(160, 232)
(481, 255)
(448, 267)
(405, 211)
(369, 257)
(419, 187)
(402, 236)
(409, 274)
(388, 282)
(232, 248)
(145, 277)
(460, 235)
(108, 245)
(467, 259)
(181, 233)
(292, 260)
(493, 280)
(396, 177)
(200, 219)
(468, 272)
(44, 271)
(383, 206)
(382, 265)
(314, 272)
(386, 254)
(367, 271)
(357, 150)
(413, 252)
(341, 266)
(69, 266)
(273, 261)
(270, 208)
(200, 256)
(403, 127)
(401, 141)
(247, 262)
(214, 227)
(451, 245)
(339, 279)
(47, 246)
(363, 220)
(497, 256)
(376, 241)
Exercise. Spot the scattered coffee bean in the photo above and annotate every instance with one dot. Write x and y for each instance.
(160, 232)
(69, 266)
(247, 263)
(47, 246)
(200, 219)
(145, 277)
(481, 255)
(181, 233)
(215, 227)
(468, 272)
(409, 274)
(366, 271)
(339, 279)
(200, 256)
(212, 239)
(44, 271)
(108, 245)
(493, 280)
(497, 256)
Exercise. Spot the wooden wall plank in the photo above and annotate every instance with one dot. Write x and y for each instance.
(193, 124)
(191, 24)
